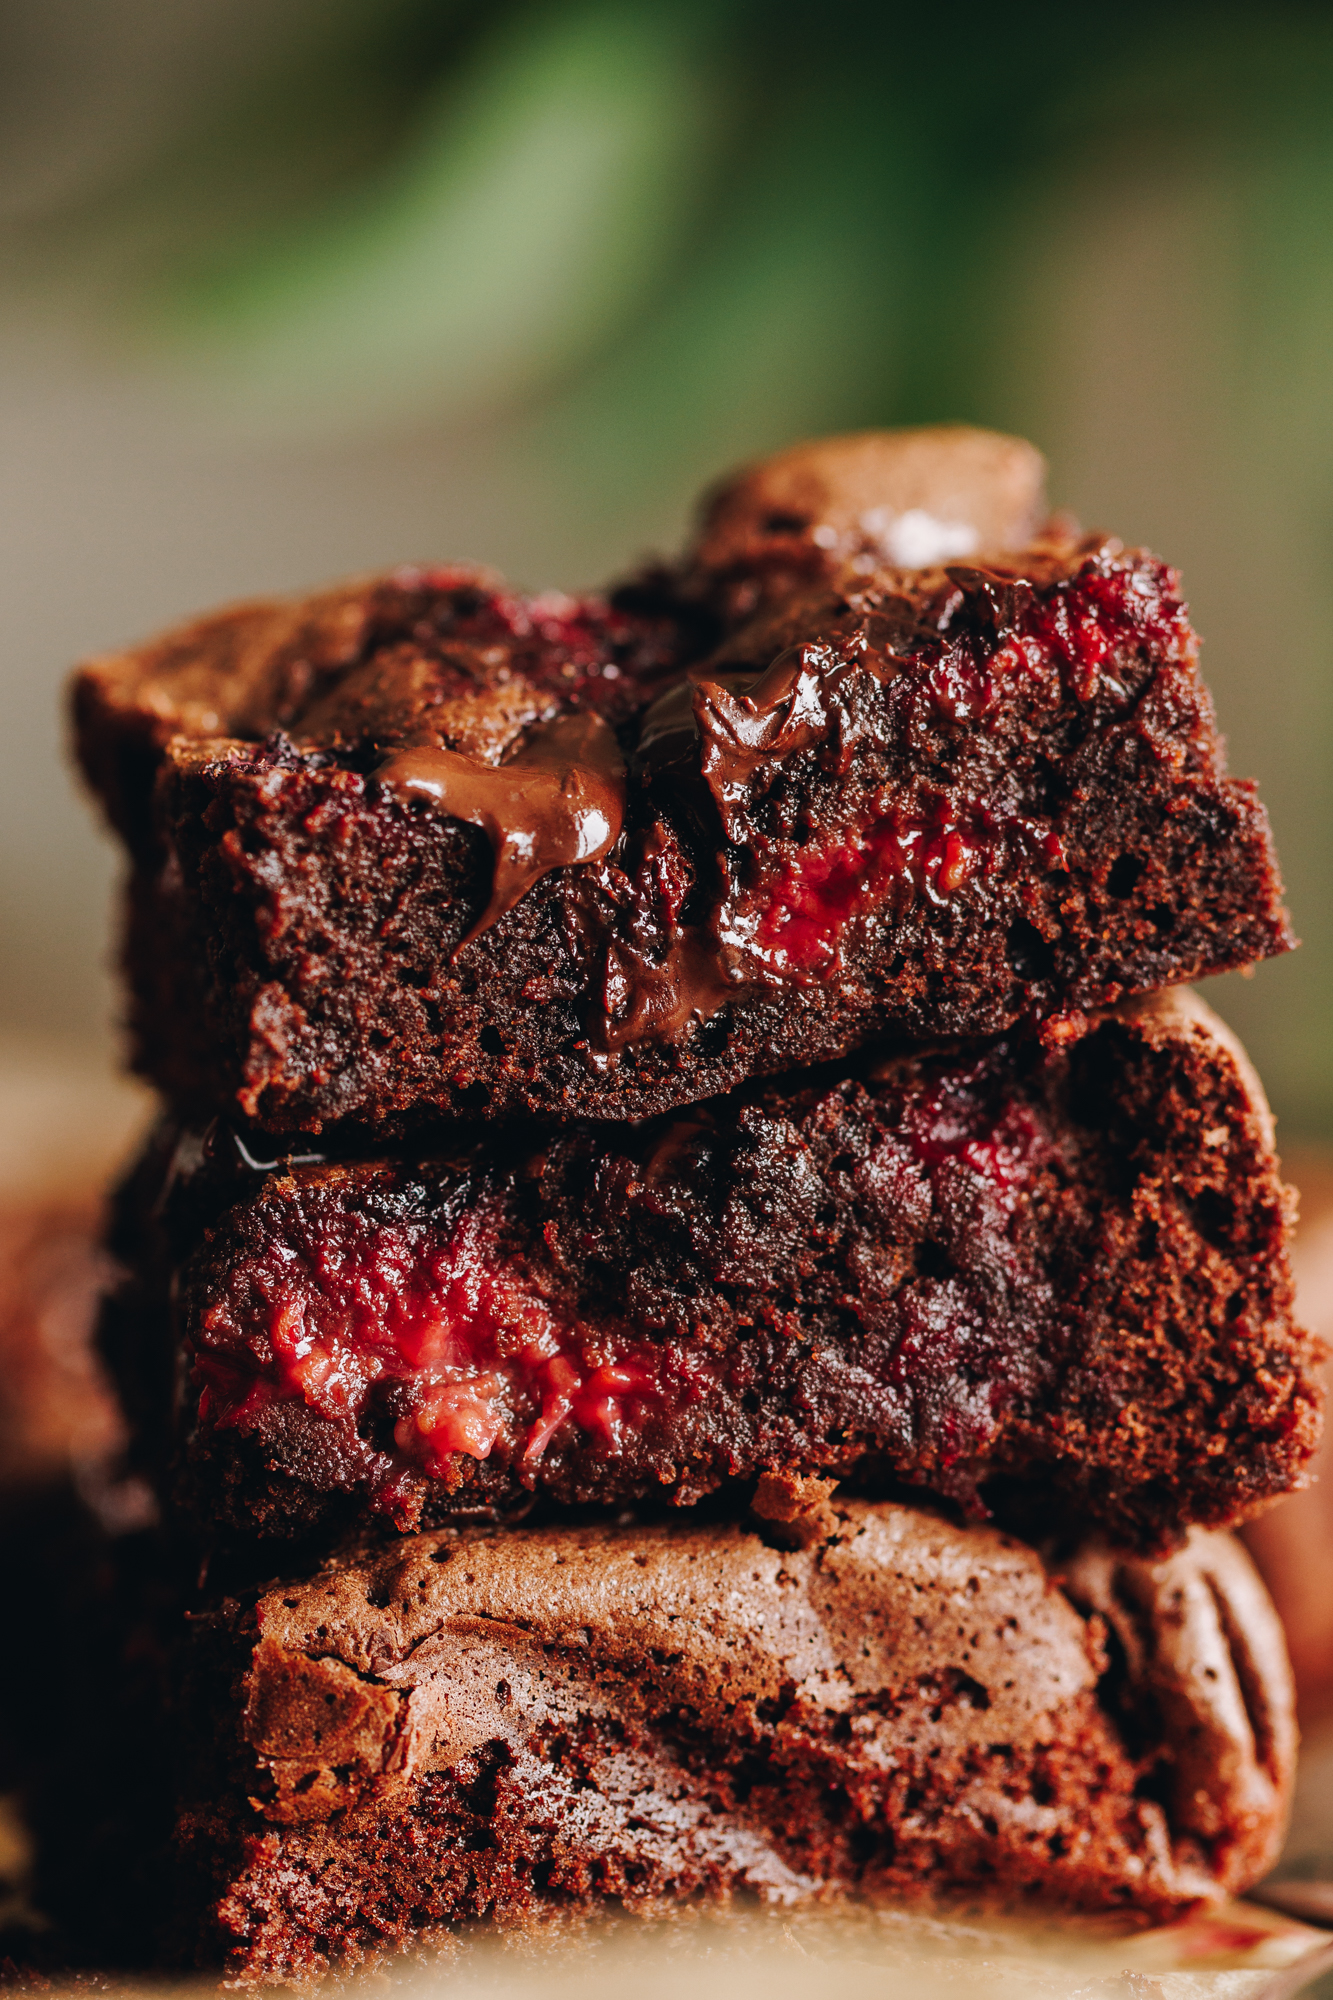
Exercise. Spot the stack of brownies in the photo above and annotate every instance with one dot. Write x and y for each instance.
(696, 1232)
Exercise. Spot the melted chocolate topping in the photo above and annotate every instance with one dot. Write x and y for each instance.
(558, 801)
(790, 894)
(745, 723)
(792, 705)
(646, 1002)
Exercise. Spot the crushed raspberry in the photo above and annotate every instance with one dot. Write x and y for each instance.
(468, 1356)
(423, 1342)
(812, 894)
(1100, 611)
(815, 892)
(1003, 1144)
(792, 914)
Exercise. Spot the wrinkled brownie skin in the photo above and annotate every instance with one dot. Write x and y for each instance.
(1002, 1275)
(539, 1724)
(858, 800)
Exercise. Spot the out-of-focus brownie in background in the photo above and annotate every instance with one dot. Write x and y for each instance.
(56, 1412)
(65, 1127)
(1293, 1544)
(64, 1503)
(56, 1416)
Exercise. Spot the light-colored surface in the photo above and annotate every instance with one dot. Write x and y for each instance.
(67, 1121)
(1232, 1955)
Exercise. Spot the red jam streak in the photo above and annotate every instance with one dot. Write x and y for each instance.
(476, 1358)
(795, 921)
(789, 916)
(1001, 1142)
(423, 1345)
(814, 895)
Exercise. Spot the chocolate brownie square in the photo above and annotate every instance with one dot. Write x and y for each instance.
(859, 1703)
(421, 847)
(1016, 1276)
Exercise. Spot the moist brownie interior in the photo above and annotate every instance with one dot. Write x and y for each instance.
(999, 1274)
(424, 847)
(697, 1227)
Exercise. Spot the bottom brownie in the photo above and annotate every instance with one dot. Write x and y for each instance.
(850, 1701)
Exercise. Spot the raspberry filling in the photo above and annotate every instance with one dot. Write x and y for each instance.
(815, 893)
(958, 1121)
(798, 901)
(447, 1342)
(424, 1339)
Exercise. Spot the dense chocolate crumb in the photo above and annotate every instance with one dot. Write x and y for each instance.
(423, 847)
(540, 1723)
(684, 1048)
(999, 1273)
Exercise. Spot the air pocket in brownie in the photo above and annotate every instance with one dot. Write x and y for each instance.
(995, 1272)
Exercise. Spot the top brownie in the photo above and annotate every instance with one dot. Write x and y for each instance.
(883, 755)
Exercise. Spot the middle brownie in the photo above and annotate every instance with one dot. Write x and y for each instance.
(995, 1273)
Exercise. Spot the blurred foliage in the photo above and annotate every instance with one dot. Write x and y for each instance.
(671, 213)
(624, 243)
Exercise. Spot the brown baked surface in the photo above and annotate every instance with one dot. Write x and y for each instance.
(888, 1707)
(1020, 1278)
(818, 796)
(888, 766)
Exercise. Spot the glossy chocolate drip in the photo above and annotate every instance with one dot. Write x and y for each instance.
(560, 800)
(742, 719)
(792, 894)
(792, 705)
(652, 1003)
(741, 725)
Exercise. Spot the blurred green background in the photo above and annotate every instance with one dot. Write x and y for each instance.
(294, 287)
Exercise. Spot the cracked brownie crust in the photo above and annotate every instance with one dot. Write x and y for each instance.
(541, 1723)
(423, 847)
(1000, 1274)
